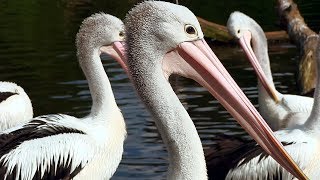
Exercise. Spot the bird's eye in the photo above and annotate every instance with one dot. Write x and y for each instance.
(189, 29)
(121, 34)
(238, 31)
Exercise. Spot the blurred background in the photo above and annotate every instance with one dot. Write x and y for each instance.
(37, 52)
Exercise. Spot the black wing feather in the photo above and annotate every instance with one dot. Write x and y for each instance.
(229, 151)
(63, 172)
(39, 127)
(6, 95)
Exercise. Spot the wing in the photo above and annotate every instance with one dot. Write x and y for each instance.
(298, 110)
(44, 148)
(237, 158)
(227, 152)
(298, 104)
(249, 161)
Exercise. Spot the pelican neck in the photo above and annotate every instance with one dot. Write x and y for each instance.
(99, 85)
(186, 157)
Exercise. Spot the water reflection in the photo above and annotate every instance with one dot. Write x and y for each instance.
(37, 51)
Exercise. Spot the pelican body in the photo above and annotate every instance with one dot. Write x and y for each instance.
(60, 146)
(15, 106)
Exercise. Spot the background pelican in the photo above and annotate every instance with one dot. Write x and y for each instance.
(281, 110)
(15, 105)
(59, 146)
(245, 160)
(165, 38)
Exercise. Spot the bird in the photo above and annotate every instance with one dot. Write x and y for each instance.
(280, 110)
(15, 105)
(243, 159)
(163, 39)
(59, 146)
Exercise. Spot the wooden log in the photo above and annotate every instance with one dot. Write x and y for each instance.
(277, 36)
(220, 33)
(214, 31)
(306, 41)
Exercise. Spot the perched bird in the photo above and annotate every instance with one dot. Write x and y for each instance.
(280, 110)
(164, 39)
(15, 105)
(59, 146)
(243, 159)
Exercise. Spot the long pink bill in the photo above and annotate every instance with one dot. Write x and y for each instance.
(245, 44)
(221, 85)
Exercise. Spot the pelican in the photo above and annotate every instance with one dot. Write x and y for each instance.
(245, 160)
(279, 110)
(15, 105)
(162, 39)
(60, 146)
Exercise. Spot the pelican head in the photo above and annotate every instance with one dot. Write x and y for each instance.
(102, 31)
(167, 28)
(243, 28)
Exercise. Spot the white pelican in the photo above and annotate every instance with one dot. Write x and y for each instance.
(245, 160)
(281, 110)
(15, 105)
(164, 38)
(59, 146)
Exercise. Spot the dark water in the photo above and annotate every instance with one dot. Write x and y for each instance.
(37, 52)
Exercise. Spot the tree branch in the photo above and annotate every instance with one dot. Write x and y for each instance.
(306, 41)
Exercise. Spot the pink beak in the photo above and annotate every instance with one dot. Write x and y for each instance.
(245, 44)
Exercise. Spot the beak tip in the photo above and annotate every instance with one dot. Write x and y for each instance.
(276, 98)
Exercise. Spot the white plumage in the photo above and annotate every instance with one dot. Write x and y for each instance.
(59, 146)
(15, 105)
(290, 110)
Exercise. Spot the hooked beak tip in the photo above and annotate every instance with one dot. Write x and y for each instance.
(277, 100)
(275, 97)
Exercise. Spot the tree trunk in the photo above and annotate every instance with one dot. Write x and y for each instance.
(306, 41)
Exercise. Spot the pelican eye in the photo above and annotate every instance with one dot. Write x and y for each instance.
(189, 29)
(121, 34)
(238, 31)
